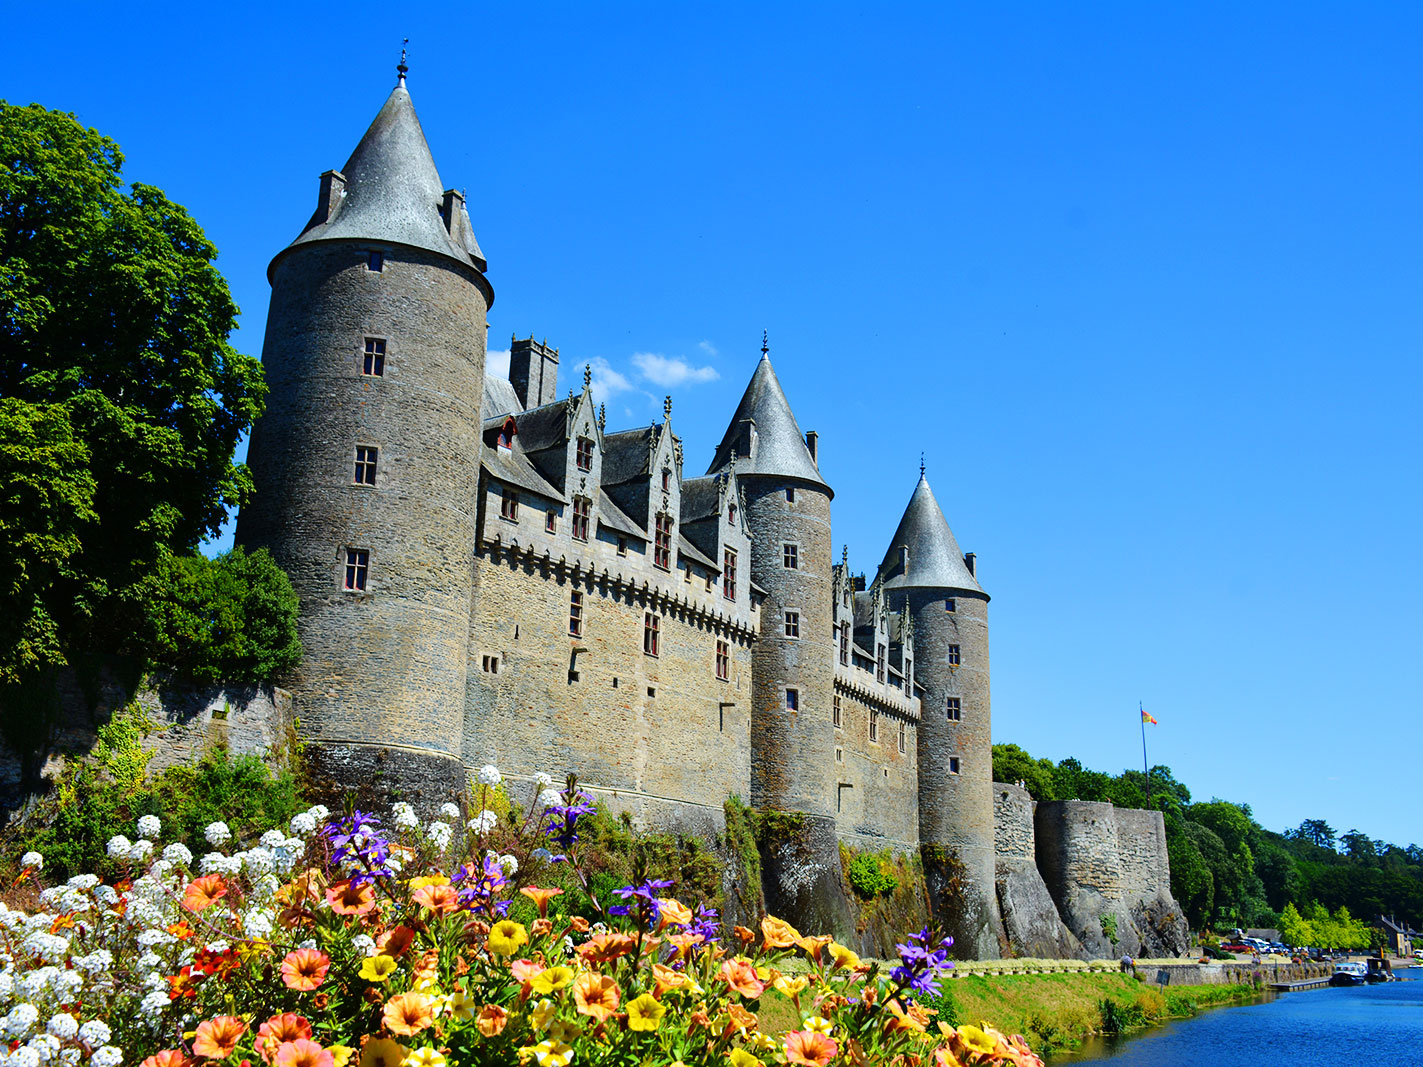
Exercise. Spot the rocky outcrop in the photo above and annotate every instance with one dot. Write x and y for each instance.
(1030, 920)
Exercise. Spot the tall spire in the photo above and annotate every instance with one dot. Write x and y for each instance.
(935, 561)
(765, 434)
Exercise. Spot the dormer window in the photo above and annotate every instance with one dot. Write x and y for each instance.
(666, 480)
(585, 453)
(506, 434)
(662, 543)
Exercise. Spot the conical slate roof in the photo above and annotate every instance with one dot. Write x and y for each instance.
(393, 191)
(935, 561)
(780, 446)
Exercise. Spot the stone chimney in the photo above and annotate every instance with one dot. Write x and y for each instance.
(533, 372)
(812, 442)
(969, 560)
(328, 200)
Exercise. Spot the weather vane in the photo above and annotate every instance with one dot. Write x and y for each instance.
(921, 464)
(765, 346)
(401, 68)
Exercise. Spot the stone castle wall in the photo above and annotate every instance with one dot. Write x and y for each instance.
(1031, 923)
(878, 788)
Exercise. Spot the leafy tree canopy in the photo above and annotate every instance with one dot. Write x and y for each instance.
(123, 400)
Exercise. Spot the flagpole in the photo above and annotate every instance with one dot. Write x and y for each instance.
(1145, 766)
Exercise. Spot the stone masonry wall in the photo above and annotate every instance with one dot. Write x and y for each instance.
(878, 787)
(1030, 919)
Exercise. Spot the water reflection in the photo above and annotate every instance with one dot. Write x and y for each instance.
(1378, 1024)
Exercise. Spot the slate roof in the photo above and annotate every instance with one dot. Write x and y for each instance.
(544, 427)
(499, 398)
(935, 561)
(515, 468)
(615, 518)
(393, 191)
(625, 454)
(780, 446)
(692, 552)
(700, 498)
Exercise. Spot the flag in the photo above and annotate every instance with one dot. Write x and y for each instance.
(1146, 716)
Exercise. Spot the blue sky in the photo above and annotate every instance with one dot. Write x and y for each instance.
(1140, 281)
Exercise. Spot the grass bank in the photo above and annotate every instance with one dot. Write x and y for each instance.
(1056, 1011)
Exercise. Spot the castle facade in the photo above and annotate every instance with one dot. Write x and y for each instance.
(489, 574)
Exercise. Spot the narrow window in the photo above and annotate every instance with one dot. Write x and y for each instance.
(792, 699)
(723, 661)
(879, 663)
(790, 494)
(951, 605)
(575, 614)
(874, 726)
(666, 480)
(839, 758)
(651, 627)
(792, 624)
(909, 677)
(731, 515)
(953, 655)
(375, 261)
(790, 556)
(622, 546)
(835, 713)
(662, 543)
(491, 664)
(901, 737)
(954, 710)
(366, 456)
(374, 365)
(582, 512)
(953, 765)
(550, 521)
(585, 453)
(845, 644)
(358, 567)
(728, 574)
(509, 505)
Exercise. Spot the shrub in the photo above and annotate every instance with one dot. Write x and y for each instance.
(870, 876)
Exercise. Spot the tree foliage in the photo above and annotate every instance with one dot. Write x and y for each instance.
(123, 400)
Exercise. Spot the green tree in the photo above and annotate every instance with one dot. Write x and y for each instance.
(1359, 847)
(1191, 882)
(1072, 781)
(1295, 929)
(1316, 831)
(1013, 764)
(114, 321)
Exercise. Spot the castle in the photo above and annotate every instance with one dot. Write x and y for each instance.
(489, 574)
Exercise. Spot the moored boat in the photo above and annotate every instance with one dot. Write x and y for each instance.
(1349, 972)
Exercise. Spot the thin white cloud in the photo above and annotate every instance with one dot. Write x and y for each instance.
(669, 373)
(496, 363)
(709, 349)
(606, 382)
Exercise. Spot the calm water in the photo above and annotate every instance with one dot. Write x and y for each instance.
(1377, 1024)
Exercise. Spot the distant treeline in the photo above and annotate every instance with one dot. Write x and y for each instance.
(1227, 869)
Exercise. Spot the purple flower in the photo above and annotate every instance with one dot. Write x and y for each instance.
(921, 963)
(564, 817)
(356, 843)
(642, 900)
(480, 884)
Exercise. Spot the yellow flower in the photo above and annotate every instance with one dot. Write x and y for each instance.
(383, 1052)
(645, 1013)
(551, 1054)
(819, 1024)
(790, 987)
(425, 1057)
(763, 1042)
(341, 1055)
(550, 978)
(741, 1058)
(461, 1005)
(506, 937)
(843, 956)
(564, 1030)
(975, 1040)
(542, 1014)
(377, 968)
(421, 883)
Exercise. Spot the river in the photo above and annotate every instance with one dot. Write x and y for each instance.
(1376, 1024)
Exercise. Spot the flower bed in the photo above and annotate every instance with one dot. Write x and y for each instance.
(345, 941)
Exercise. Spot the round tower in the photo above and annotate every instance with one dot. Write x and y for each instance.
(925, 570)
(792, 663)
(366, 462)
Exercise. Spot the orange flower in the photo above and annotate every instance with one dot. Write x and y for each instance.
(596, 995)
(811, 946)
(217, 1038)
(184, 984)
(181, 930)
(524, 971)
(305, 969)
(350, 898)
(491, 1020)
(914, 1019)
(303, 1053)
(684, 943)
(426, 968)
(742, 1019)
(740, 975)
(674, 911)
(606, 947)
(540, 897)
(666, 978)
(204, 892)
(278, 1030)
(578, 924)
(167, 1058)
(778, 933)
(395, 941)
(541, 927)
(441, 899)
(743, 935)
(810, 1049)
(408, 1013)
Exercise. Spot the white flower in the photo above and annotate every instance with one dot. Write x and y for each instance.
(439, 834)
(485, 821)
(258, 860)
(320, 811)
(450, 811)
(152, 938)
(70, 1056)
(46, 1046)
(140, 850)
(63, 1026)
(272, 838)
(149, 826)
(32, 859)
(154, 1003)
(21, 1019)
(67, 984)
(303, 824)
(404, 816)
(23, 1057)
(549, 797)
(257, 923)
(217, 833)
(96, 962)
(489, 775)
(94, 1033)
(509, 863)
(310, 942)
(149, 961)
(364, 944)
(542, 781)
(118, 847)
(107, 1056)
(178, 854)
(83, 881)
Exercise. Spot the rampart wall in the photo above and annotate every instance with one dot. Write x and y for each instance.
(878, 788)
(1030, 919)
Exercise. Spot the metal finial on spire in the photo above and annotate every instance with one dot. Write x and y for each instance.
(402, 68)
(765, 344)
(921, 464)
(587, 375)
(667, 407)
